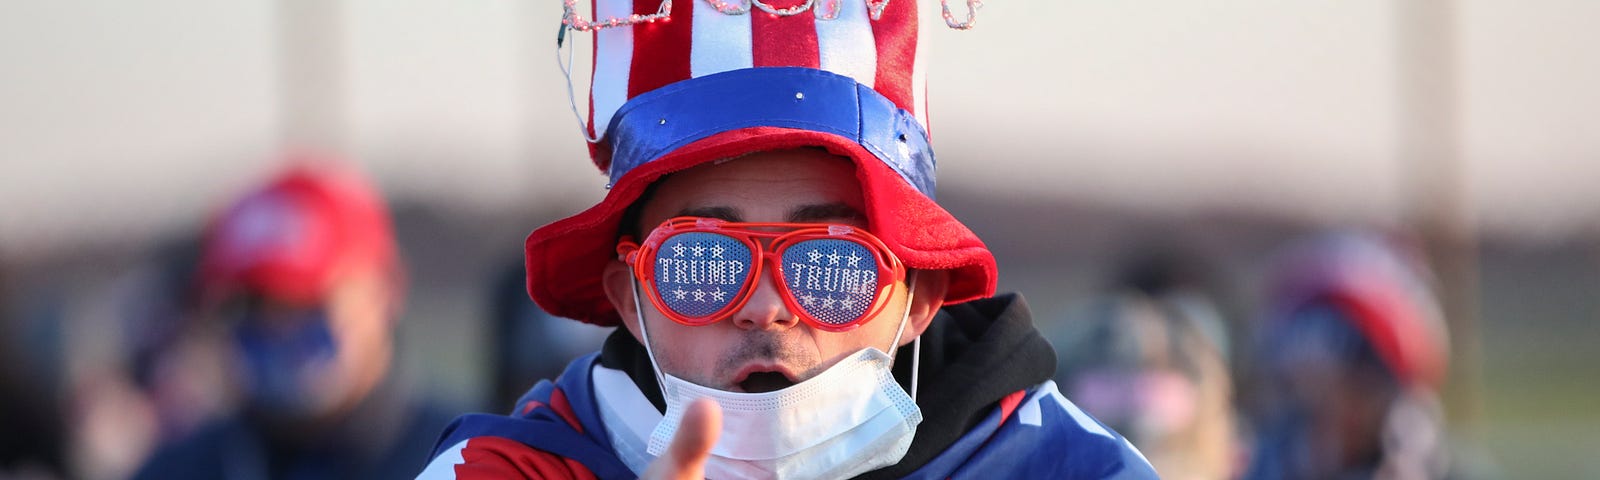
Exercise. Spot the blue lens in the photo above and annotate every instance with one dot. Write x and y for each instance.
(834, 281)
(700, 273)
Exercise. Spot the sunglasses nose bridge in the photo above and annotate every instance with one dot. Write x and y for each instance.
(765, 308)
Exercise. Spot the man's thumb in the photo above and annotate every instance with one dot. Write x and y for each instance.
(685, 458)
(697, 433)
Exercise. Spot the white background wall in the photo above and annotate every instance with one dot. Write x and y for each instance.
(133, 118)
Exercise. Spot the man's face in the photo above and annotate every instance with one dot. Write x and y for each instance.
(762, 346)
(305, 362)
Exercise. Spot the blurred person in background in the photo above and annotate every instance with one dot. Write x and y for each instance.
(32, 430)
(1354, 353)
(1150, 359)
(163, 376)
(91, 380)
(527, 343)
(303, 276)
(173, 358)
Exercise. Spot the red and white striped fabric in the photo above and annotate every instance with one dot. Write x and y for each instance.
(882, 54)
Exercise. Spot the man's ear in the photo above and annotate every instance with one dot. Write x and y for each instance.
(927, 299)
(618, 283)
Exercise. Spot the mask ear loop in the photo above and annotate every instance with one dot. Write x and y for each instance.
(638, 313)
(916, 348)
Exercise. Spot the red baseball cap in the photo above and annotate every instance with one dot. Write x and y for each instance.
(703, 81)
(1380, 290)
(292, 238)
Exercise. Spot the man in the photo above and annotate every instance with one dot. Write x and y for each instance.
(768, 245)
(1150, 358)
(525, 343)
(1355, 353)
(302, 275)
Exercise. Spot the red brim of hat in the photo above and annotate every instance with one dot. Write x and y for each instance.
(566, 259)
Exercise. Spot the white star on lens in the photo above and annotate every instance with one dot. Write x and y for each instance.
(814, 255)
(698, 250)
(716, 250)
(847, 303)
(679, 293)
(677, 250)
(807, 300)
(854, 260)
(827, 302)
(699, 296)
(718, 295)
(833, 258)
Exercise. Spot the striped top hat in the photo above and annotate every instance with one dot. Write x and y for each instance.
(680, 83)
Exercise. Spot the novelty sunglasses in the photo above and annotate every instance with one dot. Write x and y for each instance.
(698, 271)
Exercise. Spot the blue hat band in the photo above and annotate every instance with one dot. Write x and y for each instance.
(656, 123)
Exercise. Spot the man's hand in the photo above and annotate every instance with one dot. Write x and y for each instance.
(685, 459)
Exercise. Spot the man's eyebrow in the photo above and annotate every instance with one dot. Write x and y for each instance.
(826, 211)
(722, 213)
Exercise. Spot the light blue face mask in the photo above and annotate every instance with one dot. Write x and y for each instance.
(280, 363)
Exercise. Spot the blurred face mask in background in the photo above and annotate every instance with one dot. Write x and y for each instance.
(282, 356)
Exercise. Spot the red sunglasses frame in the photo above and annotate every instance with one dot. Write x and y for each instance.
(890, 270)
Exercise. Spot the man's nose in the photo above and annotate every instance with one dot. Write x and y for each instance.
(765, 309)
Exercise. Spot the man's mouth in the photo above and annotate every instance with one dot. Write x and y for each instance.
(763, 382)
